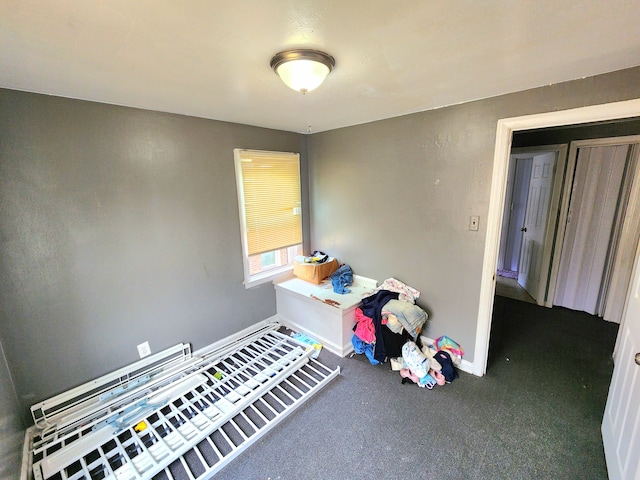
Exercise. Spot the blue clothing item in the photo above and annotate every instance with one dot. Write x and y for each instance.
(360, 346)
(427, 381)
(341, 278)
(411, 316)
(372, 308)
(448, 370)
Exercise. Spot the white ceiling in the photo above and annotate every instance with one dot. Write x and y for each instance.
(210, 58)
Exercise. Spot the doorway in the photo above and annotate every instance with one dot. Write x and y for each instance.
(625, 372)
(533, 192)
(504, 135)
(571, 249)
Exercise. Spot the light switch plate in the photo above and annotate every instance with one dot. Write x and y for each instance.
(473, 223)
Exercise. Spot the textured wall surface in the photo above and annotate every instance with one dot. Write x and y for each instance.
(553, 136)
(11, 427)
(119, 226)
(393, 198)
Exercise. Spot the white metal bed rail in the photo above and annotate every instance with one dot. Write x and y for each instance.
(194, 425)
(61, 416)
(68, 406)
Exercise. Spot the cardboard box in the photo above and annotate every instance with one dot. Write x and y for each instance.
(315, 272)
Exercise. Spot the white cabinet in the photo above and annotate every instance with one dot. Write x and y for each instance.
(330, 325)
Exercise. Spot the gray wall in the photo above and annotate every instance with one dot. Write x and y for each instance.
(118, 226)
(567, 134)
(393, 198)
(11, 427)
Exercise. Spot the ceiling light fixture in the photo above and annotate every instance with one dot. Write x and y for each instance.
(301, 69)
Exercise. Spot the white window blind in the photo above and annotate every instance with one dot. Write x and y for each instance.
(270, 207)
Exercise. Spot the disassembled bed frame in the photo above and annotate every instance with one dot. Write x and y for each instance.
(173, 415)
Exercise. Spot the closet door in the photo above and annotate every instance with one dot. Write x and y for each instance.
(626, 237)
(592, 211)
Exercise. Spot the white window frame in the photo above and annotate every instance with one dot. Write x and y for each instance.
(271, 273)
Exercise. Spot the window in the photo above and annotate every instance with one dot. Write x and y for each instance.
(268, 260)
(270, 212)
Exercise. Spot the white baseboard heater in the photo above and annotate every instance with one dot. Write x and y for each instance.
(173, 415)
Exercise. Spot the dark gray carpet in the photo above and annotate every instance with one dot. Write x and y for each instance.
(535, 415)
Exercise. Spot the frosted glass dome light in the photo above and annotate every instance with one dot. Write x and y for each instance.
(302, 70)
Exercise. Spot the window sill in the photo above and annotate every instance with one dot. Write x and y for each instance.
(269, 276)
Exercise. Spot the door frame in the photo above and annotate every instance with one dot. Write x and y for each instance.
(504, 136)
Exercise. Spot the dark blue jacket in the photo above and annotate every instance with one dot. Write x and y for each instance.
(372, 308)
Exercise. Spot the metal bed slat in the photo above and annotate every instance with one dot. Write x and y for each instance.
(238, 429)
(215, 449)
(168, 474)
(201, 458)
(258, 413)
(275, 399)
(186, 468)
(228, 442)
(162, 449)
(250, 423)
(286, 393)
(293, 386)
(268, 407)
(147, 453)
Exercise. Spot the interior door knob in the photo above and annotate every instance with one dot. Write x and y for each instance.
(523, 229)
(638, 358)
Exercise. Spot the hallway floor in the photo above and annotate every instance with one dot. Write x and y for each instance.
(510, 288)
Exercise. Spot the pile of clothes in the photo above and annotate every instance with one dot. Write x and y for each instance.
(432, 365)
(386, 320)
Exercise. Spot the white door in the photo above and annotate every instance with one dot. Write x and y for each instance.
(621, 422)
(540, 187)
(515, 211)
(585, 250)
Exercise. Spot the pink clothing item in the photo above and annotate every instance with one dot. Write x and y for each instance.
(407, 293)
(440, 380)
(406, 373)
(365, 329)
(446, 343)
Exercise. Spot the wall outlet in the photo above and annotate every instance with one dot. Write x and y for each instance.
(144, 349)
(473, 223)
